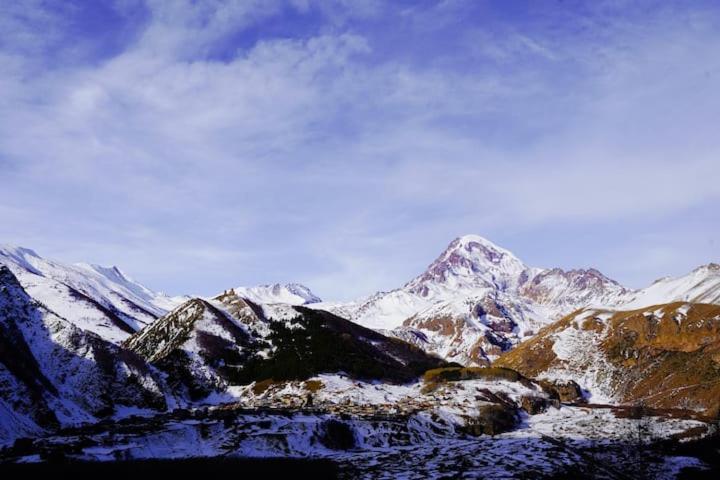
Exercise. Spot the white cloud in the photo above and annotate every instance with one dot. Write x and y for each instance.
(320, 158)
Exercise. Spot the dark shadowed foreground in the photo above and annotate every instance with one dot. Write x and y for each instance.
(203, 467)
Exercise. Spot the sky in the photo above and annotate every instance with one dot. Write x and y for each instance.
(342, 144)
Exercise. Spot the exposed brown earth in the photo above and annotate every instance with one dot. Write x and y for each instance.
(664, 356)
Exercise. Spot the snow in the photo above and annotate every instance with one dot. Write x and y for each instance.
(76, 370)
(291, 294)
(582, 360)
(700, 285)
(471, 273)
(125, 411)
(13, 423)
(474, 271)
(85, 294)
(424, 444)
(281, 312)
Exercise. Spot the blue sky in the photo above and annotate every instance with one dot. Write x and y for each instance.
(343, 144)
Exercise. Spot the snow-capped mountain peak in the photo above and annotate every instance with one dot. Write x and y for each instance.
(290, 293)
(708, 269)
(479, 297)
(115, 275)
(470, 261)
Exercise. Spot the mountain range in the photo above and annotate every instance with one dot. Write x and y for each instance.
(82, 342)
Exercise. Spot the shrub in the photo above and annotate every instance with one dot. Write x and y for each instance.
(493, 420)
(260, 387)
(337, 435)
(454, 374)
(313, 385)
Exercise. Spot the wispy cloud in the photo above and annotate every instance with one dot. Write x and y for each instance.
(210, 149)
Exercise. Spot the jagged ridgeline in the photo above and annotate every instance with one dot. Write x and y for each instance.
(208, 344)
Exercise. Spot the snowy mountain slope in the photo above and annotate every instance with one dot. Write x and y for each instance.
(702, 285)
(291, 294)
(470, 265)
(665, 356)
(196, 344)
(54, 373)
(102, 300)
(470, 262)
(229, 340)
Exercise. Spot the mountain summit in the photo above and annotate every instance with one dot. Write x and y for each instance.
(469, 262)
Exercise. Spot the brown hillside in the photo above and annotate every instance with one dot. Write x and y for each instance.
(665, 356)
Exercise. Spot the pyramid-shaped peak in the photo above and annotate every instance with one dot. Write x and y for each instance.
(482, 254)
(470, 261)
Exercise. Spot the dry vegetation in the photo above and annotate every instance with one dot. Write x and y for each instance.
(667, 356)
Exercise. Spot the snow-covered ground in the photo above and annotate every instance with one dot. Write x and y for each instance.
(421, 445)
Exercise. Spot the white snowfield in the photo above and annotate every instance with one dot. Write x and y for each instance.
(290, 294)
(702, 285)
